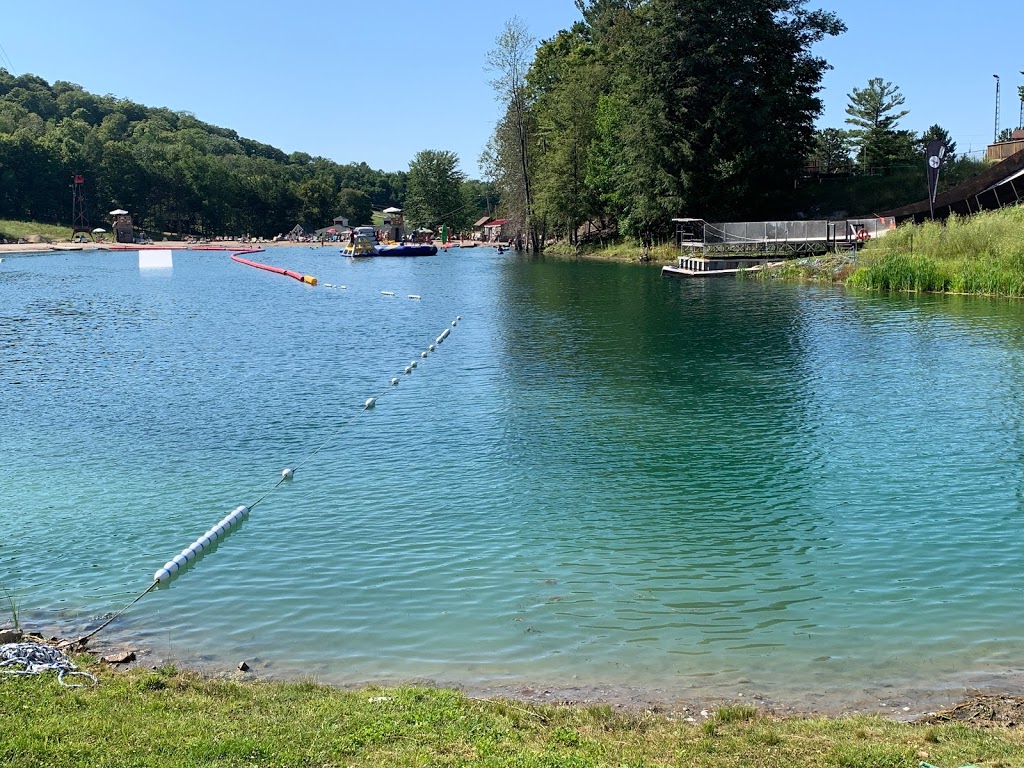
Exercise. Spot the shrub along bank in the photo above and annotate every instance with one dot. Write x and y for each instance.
(981, 254)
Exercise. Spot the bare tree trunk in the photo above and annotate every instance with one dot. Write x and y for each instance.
(511, 60)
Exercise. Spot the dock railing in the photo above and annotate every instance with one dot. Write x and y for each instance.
(775, 239)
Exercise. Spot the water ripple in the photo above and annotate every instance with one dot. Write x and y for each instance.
(600, 476)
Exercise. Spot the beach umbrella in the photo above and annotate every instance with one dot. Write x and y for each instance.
(119, 212)
(98, 230)
(332, 231)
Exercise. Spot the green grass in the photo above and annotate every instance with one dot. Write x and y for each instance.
(980, 254)
(166, 718)
(28, 230)
(613, 250)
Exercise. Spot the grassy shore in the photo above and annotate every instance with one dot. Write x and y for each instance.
(33, 231)
(613, 250)
(165, 718)
(981, 254)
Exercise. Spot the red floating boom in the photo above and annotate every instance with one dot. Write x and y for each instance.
(308, 279)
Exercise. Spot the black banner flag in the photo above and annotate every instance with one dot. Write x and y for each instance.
(935, 154)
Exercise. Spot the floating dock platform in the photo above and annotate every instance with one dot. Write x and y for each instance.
(728, 248)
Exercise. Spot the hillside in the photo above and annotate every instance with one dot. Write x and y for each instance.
(172, 171)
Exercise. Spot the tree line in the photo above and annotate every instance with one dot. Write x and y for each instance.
(874, 164)
(171, 170)
(645, 110)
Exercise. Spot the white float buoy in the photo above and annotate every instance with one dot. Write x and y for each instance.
(458, 317)
(423, 355)
(370, 403)
(413, 364)
(411, 295)
(387, 293)
(286, 473)
(394, 382)
(200, 545)
(432, 347)
(454, 323)
(408, 370)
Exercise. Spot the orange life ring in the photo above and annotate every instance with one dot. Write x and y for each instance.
(862, 235)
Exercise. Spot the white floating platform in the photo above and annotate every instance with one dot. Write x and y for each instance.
(694, 267)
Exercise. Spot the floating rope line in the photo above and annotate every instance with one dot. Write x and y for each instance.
(36, 658)
(387, 294)
(308, 279)
(234, 519)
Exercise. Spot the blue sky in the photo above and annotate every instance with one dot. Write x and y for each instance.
(377, 82)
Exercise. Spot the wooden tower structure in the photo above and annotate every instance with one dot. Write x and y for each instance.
(78, 221)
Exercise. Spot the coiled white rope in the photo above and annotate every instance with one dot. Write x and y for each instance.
(36, 659)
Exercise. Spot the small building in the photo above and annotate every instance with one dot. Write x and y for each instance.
(1003, 149)
(340, 223)
(478, 228)
(300, 232)
(496, 230)
(122, 226)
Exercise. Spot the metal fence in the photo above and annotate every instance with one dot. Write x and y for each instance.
(739, 232)
(766, 231)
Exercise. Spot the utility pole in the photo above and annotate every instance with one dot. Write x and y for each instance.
(995, 135)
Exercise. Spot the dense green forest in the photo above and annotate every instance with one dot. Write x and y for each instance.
(172, 171)
(642, 111)
(645, 110)
(649, 109)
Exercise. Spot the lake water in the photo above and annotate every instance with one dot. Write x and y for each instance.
(601, 481)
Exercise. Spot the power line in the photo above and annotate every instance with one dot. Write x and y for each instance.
(10, 64)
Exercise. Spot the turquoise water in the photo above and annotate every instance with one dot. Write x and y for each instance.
(601, 481)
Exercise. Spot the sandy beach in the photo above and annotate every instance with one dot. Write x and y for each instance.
(176, 245)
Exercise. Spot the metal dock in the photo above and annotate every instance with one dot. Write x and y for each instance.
(721, 249)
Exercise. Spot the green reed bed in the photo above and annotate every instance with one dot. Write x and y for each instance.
(166, 718)
(980, 254)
